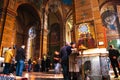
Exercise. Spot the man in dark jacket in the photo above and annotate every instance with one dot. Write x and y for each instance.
(29, 65)
(20, 58)
(113, 55)
(64, 55)
(64, 61)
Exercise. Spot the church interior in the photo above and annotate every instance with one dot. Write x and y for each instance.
(44, 26)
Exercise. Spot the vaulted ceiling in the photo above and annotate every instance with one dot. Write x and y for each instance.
(64, 7)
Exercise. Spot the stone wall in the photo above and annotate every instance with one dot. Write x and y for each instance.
(8, 35)
(86, 11)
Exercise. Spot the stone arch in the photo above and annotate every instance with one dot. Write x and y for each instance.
(54, 37)
(27, 17)
(55, 33)
(54, 40)
(60, 17)
(108, 2)
(18, 4)
(30, 5)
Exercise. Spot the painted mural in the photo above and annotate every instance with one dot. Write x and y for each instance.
(55, 34)
(54, 39)
(109, 19)
(86, 35)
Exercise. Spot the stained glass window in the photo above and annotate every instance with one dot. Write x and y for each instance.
(83, 28)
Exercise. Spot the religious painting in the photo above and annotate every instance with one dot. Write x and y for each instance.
(86, 35)
(109, 20)
(54, 38)
(55, 34)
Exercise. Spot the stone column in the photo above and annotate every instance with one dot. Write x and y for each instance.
(99, 28)
(44, 33)
(3, 19)
(8, 37)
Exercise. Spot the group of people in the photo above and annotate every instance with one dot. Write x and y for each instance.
(19, 58)
(69, 49)
(62, 57)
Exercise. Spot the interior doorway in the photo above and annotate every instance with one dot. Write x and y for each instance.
(28, 30)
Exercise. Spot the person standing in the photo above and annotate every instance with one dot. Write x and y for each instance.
(43, 64)
(113, 55)
(71, 49)
(65, 61)
(20, 58)
(64, 55)
(73, 64)
(29, 65)
(57, 62)
(12, 67)
(7, 60)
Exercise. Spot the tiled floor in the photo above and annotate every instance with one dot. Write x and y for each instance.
(43, 76)
(50, 76)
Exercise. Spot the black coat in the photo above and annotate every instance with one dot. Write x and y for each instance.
(113, 52)
(64, 54)
(20, 55)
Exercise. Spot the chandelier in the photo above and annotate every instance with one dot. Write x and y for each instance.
(53, 5)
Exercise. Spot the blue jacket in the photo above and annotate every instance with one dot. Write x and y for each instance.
(64, 53)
